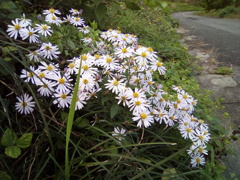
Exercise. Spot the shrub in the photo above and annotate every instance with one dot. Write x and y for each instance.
(227, 11)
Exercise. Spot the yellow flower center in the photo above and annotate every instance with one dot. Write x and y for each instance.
(200, 150)
(135, 95)
(143, 54)
(61, 81)
(185, 123)
(85, 67)
(123, 98)
(135, 68)
(150, 82)
(84, 57)
(49, 68)
(188, 130)
(47, 48)
(159, 64)
(172, 118)
(97, 56)
(77, 19)
(63, 96)
(85, 81)
(201, 137)
(198, 160)
(143, 115)
(71, 65)
(138, 103)
(109, 60)
(30, 33)
(30, 74)
(185, 96)
(201, 121)
(115, 83)
(17, 27)
(51, 10)
(24, 104)
(44, 85)
(54, 18)
(124, 50)
(41, 75)
(150, 49)
(44, 27)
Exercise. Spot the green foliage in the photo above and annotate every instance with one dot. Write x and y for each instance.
(218, 4)
(14, 144)
(227, 11)
(224, 71)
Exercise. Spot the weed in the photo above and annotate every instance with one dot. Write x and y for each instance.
(224, 70)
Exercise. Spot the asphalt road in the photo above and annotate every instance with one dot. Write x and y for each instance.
(223, 35)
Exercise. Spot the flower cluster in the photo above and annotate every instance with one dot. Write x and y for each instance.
(115, 63)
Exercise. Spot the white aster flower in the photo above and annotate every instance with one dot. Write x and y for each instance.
(84, 29)
(197, 160)
(62, 82)
(124, 52)
(63, 99)
(119, 133)
(44, 29)
(77, 21)
(46, 87)
(49, 51)
(115, 85)
(34, 56)
(25, 104)
(87, 82)
(53, 19)
(29, 33)
(16, 28)
(29, 76)
(51, 11)
(144, 119)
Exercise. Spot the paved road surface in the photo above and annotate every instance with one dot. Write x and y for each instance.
(221, 34)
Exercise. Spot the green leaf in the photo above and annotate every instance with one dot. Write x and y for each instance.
(132, 5)
(71, 44)
(100, 11)
(7, 59)
(9, 138)
(114, 110)
(81, 122)
(25, 140)
(4, 175)
(164, 4)
(13, 151)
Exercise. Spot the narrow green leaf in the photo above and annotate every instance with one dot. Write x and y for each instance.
(13, 151)
(9, 138)
(25, 140)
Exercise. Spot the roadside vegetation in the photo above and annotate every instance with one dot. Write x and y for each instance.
(103, 133)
